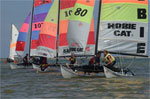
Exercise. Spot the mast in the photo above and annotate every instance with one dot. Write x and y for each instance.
(31, 28)
(57, 45)
(98, 24)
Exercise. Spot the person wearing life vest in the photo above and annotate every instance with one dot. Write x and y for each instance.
(73, 61)
(109, 59)
(44, 63)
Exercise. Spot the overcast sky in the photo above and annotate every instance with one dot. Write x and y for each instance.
(15, 12)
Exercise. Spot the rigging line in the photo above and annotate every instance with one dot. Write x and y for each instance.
(130, 63)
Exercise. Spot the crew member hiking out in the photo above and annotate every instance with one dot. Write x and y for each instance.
(110, 61)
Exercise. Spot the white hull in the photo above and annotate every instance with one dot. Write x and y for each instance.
(15, 66)
(38, 69)
(67, 73)
(110, 74)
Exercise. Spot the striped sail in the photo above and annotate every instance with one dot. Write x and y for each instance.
(124, 26)
(14, 37)
(90, 47)
(22, 38)
(47, 37)
(79, 25)
(41, 8)
(65, 12)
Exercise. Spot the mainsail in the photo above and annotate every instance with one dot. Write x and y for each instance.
(22, 38)
(47, 37)
(79, 25)
(65, 13)
(14, 37)
(124, 26)
(41, 8)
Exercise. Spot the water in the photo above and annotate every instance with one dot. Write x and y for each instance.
(27, 84)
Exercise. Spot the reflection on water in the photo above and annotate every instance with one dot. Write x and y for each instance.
(26, 83)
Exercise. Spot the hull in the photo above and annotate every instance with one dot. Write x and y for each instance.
(38, 69)
(15, 66)
(110, 74)
(49, 69)
(69, 73)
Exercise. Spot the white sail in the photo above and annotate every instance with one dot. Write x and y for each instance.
(14, 37)
(124, 27)
(79, 25)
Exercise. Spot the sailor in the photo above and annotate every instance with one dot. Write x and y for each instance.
(97, 58)
(31, 59)
(44, 63)
(25, 60)
(92, 61)
(94, 64)
(73, 61)
(109, 59)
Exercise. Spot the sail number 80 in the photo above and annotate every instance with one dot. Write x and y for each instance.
(81, 12)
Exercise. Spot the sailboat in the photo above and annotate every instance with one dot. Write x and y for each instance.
(122, 29)
(52, 41)
(19, 44)
(79, 30)
(12, 53)
(40, 11)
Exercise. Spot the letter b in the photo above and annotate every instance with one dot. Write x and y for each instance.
(141, 13)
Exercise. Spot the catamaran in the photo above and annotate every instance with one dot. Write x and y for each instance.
(14, 37)
(40, 11)
(19, 42)
(122, 29)
(52, 41)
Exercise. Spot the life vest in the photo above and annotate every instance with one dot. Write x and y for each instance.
(72, 60)
(106, 58)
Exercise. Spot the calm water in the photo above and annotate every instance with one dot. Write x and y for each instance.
(27, 84)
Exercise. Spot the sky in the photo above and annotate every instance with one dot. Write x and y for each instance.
(15, 12)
